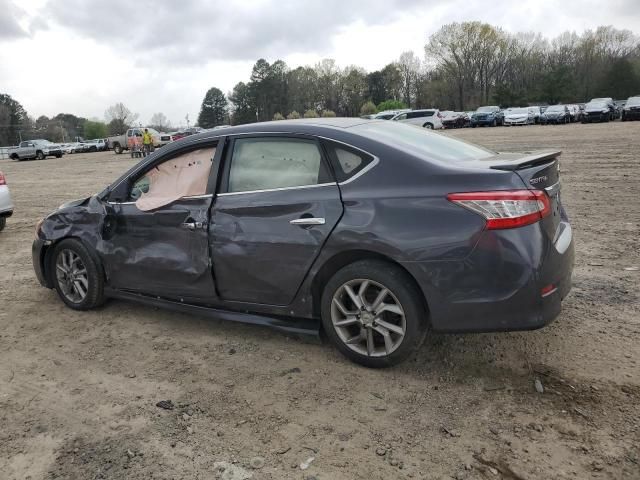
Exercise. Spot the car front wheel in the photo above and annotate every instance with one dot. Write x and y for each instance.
(373, 313)
(3, 223)
(428, 126)
(76, 276)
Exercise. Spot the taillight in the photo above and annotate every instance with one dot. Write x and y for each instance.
(505, 208)
(3, 180)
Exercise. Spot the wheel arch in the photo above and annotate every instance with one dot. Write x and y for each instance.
(341, 260)
(46, 258)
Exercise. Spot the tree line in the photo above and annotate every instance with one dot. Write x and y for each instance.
(464, 65)
(16, 125)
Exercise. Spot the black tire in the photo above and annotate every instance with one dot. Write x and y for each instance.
(59, 155)
(95, 289)
(117, 149)
(39, 155)
(3, 223)
(403, 291)
(474, 125)
(428, 126)
(494, 123)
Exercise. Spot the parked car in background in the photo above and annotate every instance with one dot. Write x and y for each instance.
(483, 244)
(427, 118)
(133, 138)
(6, 204)
(487, 116)
(96, 145)
(631, 110)
(31, 149)
(575, 113)
(536, 113)
(519, 116)
(555, 114)
(454, 119)
(389, 114)
(613, 111)
(596, 111)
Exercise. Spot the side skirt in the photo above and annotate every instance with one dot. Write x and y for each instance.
(297, 326)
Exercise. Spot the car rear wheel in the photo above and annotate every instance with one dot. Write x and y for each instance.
(428, 126)
(373, 313)
(76, 276)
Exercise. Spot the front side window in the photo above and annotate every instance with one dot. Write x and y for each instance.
(270, 163)
(182, 176)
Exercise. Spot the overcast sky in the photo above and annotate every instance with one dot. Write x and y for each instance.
(80, 56)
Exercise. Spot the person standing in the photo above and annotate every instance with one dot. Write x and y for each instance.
(147, 143)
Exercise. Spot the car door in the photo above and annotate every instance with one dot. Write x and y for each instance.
(277, 207)
(157, 244)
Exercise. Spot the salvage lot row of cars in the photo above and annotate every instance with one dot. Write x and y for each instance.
(596, 110)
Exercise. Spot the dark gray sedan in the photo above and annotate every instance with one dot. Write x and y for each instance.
(370, 231)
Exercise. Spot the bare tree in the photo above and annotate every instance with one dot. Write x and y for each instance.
(160, 122)
(119, 118)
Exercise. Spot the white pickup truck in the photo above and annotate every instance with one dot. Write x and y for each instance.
(39, 149)
(133, 138)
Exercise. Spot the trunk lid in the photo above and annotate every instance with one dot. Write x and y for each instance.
(538, 171)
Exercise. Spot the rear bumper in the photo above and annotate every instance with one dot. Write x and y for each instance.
(499, 286)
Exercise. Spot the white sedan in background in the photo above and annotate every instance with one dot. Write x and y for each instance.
(519, 116)
(6, 205)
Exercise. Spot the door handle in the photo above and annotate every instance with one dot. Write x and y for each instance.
(193, 225)
(308, 221)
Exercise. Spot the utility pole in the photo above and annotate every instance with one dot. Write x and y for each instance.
(187, 119)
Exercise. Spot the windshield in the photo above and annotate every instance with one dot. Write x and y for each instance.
(518, 110)
(486, 109)
(595, 105)
(556, 108)
(420, 142)
(633, 102)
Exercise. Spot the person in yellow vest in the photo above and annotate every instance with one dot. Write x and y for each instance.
(147, 143)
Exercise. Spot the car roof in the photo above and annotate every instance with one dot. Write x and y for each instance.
(306, 125)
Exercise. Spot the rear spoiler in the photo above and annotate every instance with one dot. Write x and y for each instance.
(530, 160)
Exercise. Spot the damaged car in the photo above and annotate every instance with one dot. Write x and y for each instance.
(371, 232)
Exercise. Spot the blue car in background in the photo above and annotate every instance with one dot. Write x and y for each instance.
(487, 116)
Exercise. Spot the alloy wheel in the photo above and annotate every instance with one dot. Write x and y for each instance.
(368, 318)
(72, 276)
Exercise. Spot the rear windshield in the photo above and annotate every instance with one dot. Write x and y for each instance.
(420, 142)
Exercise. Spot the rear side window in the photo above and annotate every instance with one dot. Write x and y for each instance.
(346, 161)
(271, 163)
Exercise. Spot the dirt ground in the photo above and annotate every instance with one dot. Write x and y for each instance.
(78, 391)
